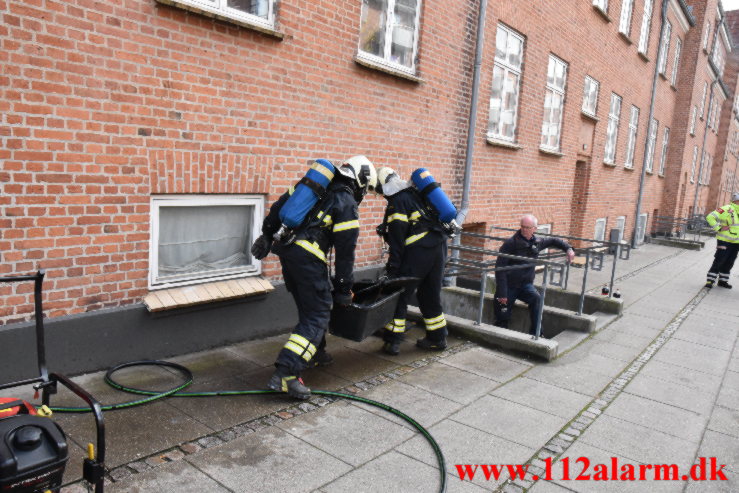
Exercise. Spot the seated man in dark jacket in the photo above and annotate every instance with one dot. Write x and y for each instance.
(518, 284)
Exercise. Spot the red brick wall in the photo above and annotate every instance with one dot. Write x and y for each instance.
(107, 103)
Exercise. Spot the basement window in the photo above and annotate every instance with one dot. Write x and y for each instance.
(202, 238)
(259, 14)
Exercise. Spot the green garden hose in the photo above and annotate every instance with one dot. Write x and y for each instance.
(188, 379)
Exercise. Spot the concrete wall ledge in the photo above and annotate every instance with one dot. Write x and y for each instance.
(464, 303)
(678, 243)
(496, 337)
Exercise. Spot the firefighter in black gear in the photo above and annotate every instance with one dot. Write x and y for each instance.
(333, 223)
(417, 245)
(519, 283)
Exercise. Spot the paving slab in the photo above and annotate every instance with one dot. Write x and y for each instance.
(729, 394)
(261, 352)
(597, 455)
(610, 350)
(658, 416)
(623, 338)
(725, 448)
(216, 364)
(488, 364)
(731, 485)
(396, 472)
(698, 380)
(347, 432)
(578, 378)
(462, 444)
(269, 460)
(423, 406)
(136, 432)
(725, 420)
(637, 442)
(693, 356)
(680, 396)
(454, 384)
(542, 486)
(179, 476)
(510, 420)
(543, 396)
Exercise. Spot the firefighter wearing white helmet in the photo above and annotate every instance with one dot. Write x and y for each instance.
(417, 246)
(725, 221)
(334, 222)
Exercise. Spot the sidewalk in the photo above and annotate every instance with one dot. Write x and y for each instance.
(659, 385)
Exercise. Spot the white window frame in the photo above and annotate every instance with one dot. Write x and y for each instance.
(641, 227)
(385, 60)
(600, 225)
(718, 56)
(703, 99)
(503, 65)
(553, 90)
(695, 161)
(665, 145)
(706, 34)
(651, 144)
(591, 89)
(602, 5)
(621, 226)
(624, 24)
(646, 26)
(614, 116)
(664, 48)
(159, 201)
(220, 9)
(693, 118)
(676, 60)
(633, 132)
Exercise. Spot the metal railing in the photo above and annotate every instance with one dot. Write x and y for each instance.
(681, 228)
(556, 272)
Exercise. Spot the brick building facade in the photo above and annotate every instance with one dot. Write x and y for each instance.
(117, 114)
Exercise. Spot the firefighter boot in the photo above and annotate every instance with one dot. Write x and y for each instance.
(322, 358)
(431, 345)
(709, 284)
(724, 284)
(391, 348)
(290, 384)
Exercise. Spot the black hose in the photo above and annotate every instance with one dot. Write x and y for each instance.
(188, 377)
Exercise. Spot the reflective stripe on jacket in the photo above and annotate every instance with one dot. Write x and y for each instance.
(727, 215)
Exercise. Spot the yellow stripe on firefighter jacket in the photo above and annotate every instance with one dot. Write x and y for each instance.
(727, 215)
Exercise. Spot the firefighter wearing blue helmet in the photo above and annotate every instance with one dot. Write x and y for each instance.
(334, 222)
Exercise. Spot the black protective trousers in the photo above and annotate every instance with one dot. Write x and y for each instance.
(306, 278)
(723, 261)
(427, 264)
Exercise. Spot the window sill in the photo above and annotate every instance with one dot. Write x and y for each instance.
(551, 152)
(589, 116)
(198, 294)
(610, 165)
(503, 143)
(372, 64)
(661, 175)
(626, 38)
(662, 76)
(602, 13)
(643, 56)
(629, 168)
(672, 86)
(271, 31)
(650, 172)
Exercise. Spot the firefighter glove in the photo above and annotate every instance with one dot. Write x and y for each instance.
(342, 299)
(260, 248)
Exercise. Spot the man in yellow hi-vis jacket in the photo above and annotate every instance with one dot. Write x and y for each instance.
(725, 221)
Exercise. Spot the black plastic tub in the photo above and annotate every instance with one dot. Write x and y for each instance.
(372, 308)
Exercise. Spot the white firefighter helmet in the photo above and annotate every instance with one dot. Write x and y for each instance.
(362, 170)
(383, 176)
